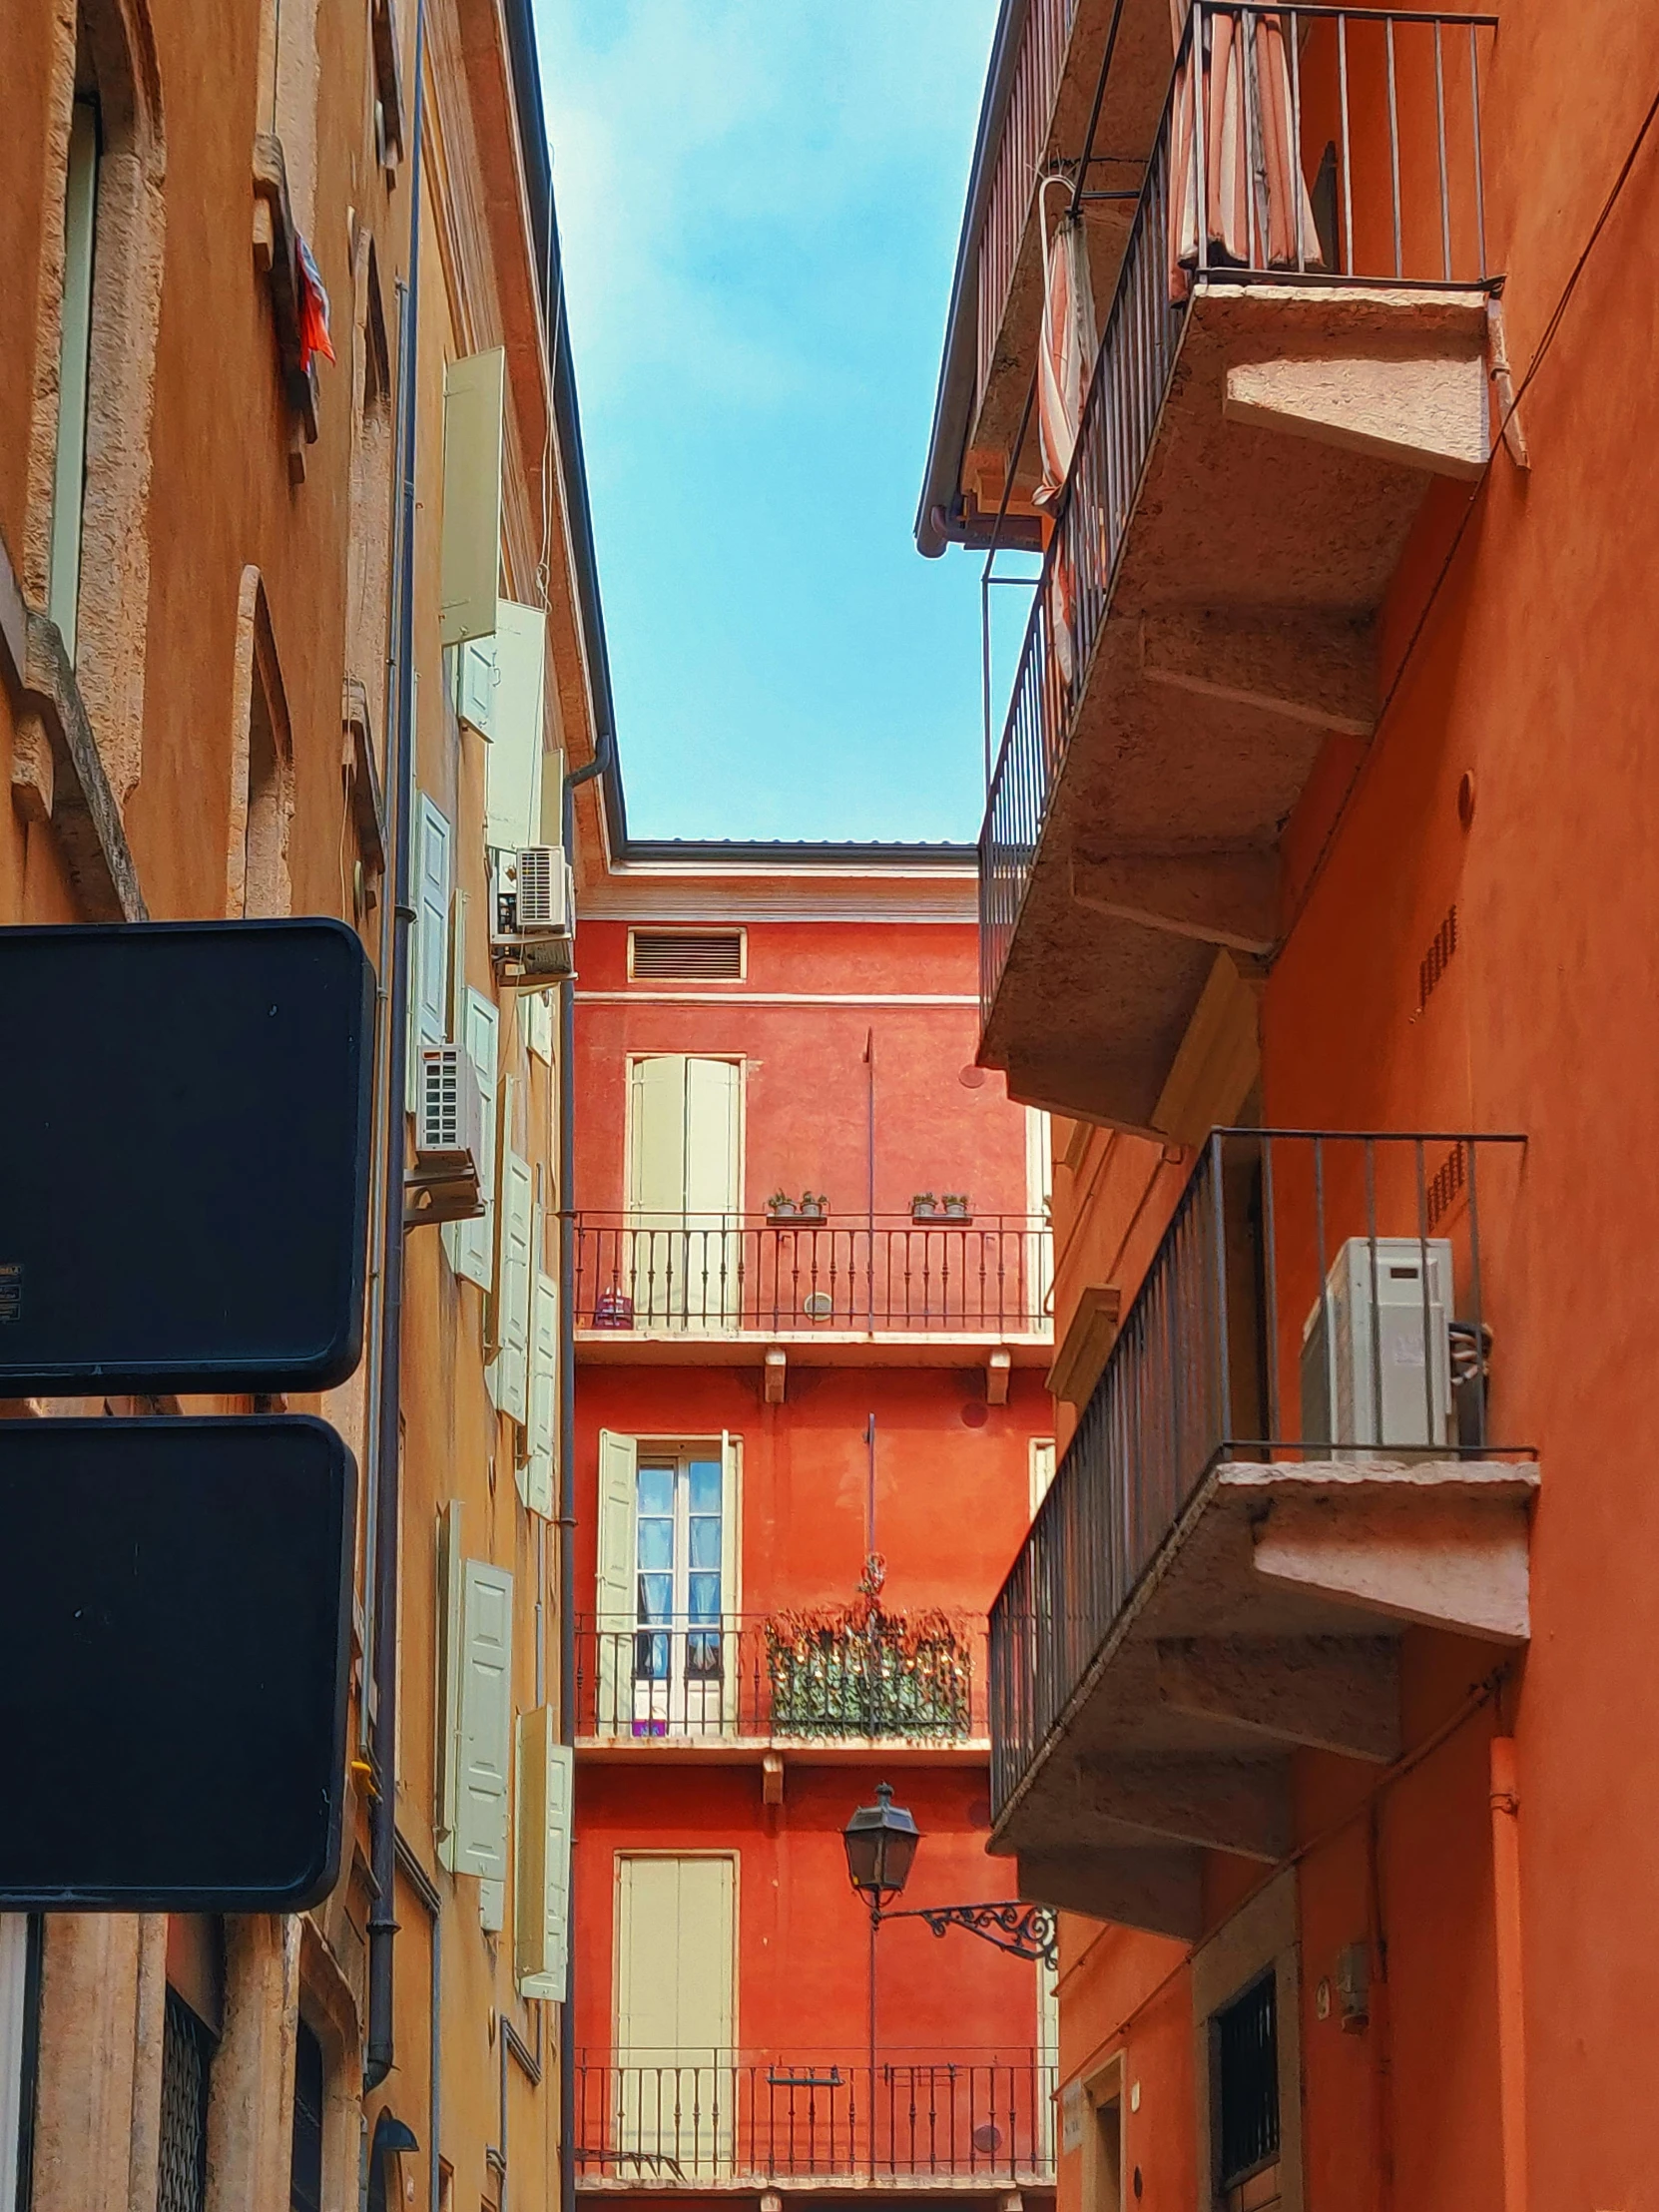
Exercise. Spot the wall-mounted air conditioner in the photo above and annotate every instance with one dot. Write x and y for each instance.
(534, 895)
(1380, 1342)
(450, 1126)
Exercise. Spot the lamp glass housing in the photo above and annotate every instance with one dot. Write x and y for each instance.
(881, 1843)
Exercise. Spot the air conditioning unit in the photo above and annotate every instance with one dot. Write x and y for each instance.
(450, 1128)
(534, 895)
(1379, 1343)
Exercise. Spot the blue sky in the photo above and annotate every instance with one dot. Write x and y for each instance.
(759, 205)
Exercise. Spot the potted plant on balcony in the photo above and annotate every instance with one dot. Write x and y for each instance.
(783, 1212)
(925, 1207)
(955, 1206)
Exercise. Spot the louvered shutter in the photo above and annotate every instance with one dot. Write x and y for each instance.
(471, 1244)
(616, 1595)
(537, 1474)
(471, 546)
(487, 1720)
(452, 1571)
(429, 942)
(512, 768)
(509, 1372)
(542, 1858)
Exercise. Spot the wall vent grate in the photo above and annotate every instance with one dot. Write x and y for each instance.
(686, 956)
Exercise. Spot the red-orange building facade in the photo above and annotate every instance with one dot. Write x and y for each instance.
(1320, 817)
(805, 1454)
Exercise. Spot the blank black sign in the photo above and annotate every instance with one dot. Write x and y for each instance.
(183, 1156)
(173, 1662)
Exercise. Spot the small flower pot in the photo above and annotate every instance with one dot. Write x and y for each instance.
(927, 1209)
(782, 1217)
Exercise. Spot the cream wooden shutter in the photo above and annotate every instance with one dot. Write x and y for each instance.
(475, 684)
(74, 363)
(616, 1597)
(447, 1703)
(472, 553)
(429, 936)
(536, 1483)
(657, 1135)
(485, 1750)
(512, 766)
(508, 1374)
(537, 1009)
(674, 1956)
(542, 1858)
(731, 1563)
(714, 1093)
(471, 1244)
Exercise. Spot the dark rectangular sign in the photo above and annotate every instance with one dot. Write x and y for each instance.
(174, 1611)
(183, 1156)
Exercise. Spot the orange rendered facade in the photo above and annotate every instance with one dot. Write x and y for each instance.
(895, 1419)
(1345, 1732)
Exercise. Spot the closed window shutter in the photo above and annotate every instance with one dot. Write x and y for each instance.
(539, 1023)
(487, 1720)
(471, 1244)
(451, 1570)
(714, 1093)
(537, 1490)
(471, 546)
(542, 1858)
(429, 945)
(657, 1135)
(618, 1572)
(512, 766)
(508, 1374)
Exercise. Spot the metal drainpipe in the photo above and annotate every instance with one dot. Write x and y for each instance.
(598, 765)
(382, 1918)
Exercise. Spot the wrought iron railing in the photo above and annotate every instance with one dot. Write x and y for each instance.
(1316, 1295)
(1037, 73)
(722, 1273)
(671, 2120)
(818, 1674)
(1348, 152)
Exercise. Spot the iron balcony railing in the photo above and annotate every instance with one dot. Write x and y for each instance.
(1037, 74)
(1316, 1295)
(727, 1274)
(816, 1674)
(1311, 146)
(688, 2118)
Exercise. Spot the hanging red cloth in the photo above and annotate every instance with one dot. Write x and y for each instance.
(314, 307)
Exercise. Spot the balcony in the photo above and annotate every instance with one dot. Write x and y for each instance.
(962, 2122)
(835, 1680)
(867, 1291)
(1287, 1463)
(1295, 350)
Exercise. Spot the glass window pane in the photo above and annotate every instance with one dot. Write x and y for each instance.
(705, 1541)
(702, 1593)
(656, 1541)
(656, 1490)
(656, 1597)
(704, 1485)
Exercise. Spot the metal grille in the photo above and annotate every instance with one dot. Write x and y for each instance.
(181, 2175)
(1247, 2068)
(694, 956)
(305, 2164)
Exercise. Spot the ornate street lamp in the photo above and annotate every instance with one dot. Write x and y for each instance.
(881, 1842)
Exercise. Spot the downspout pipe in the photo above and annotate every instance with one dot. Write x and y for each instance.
(600, 765)
(382, 1917)
(1506, 1913)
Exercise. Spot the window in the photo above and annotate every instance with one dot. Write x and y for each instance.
(187, 2057)
(74, 365)
(305, 2160)
(1247, 2084)
(1044, 1461)
(667, 1625)
(683, 1258)
(687, 956)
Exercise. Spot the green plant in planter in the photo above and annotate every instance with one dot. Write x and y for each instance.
(858, 1671)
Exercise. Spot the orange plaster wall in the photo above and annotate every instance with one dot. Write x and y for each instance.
(807, 1081)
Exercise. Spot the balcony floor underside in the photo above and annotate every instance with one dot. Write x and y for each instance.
(1270, 1621)
(816, 1348)
(1301, 431)
(898, 2187)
